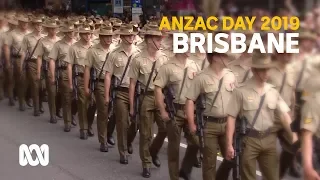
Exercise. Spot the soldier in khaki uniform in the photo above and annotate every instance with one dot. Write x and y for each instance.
(48, 51)
(76, 56)
(208, 82)
(167, 44)
(177, 73)
(141, 72)
(116, 67)
(282, 77)
(310, 126)
(12, 51)
(3, 29)
(95, 58)
(259, 144)
(29, 44)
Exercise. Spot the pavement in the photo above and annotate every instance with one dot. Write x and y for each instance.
(70, 157)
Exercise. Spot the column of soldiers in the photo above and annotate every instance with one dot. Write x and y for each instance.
(234, 105)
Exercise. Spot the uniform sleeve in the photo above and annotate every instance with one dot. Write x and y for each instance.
(70, 55)
(134, 69)
(195, 89)
(40, 50)
(162, 77)
(310, 121)
(7, 40)
(235, 103)
(89, 58)
(282, 105)
(110, 62)
(53, 53)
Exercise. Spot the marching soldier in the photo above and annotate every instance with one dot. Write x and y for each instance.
(310, 127)
(96, 59)
(167, 44)
(76, 57)
(56, 51)
(176, 74)
(256, 101)
(3, 29)
(117, 66)
(12, 51)
(217, 83)
(29, 45)
(143, 70)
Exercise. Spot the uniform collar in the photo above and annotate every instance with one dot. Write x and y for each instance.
(251, 84)
(121, 49)
(210, 72)
(175, 61)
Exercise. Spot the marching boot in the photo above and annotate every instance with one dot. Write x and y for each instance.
(146, 173)
(104, 147)
(110, 129)
(73, 121)
(124, 160)
(83, 135)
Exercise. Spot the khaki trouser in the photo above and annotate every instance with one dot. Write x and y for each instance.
(35, 85)
(53, 97)
(214, 137)
(148, 115)
(82, 104)
(102, 112)
(125, 129)
(174, 129)
(66, 97)
(21, 83)
(265, 152)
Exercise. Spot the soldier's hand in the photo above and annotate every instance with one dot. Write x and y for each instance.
(106, 100)
(230, 153)
(52, 80)
(294, 137)
(87, 91)
(164, 116)
(131, 112)
(71, 87)
(38, 76)
(311, 174)
(192, 128)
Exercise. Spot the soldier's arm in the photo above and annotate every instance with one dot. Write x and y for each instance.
(192, 95)
(88, 65)
(108, 68)
(285, 116)
(307, 147)
(234, 107)
(6, 49)
(133, 75)
(38, 53)
(70, 59)
(24, 49)
(160, 82)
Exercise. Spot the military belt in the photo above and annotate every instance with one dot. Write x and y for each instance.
(123, 89)
(258, 134)
(63, 68)
(101, 80)
(178, 106)
(148, 93)
(32, 60)
(215, 119)
(80, 74)
(16, 56)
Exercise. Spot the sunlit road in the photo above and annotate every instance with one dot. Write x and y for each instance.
(70, 157)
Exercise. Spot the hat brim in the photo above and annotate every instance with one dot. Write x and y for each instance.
(310, 37)
(118, 32)
(84, 32)
(23, 20)
(66, 30)
(49, 26)
(153, 34)
(13, 22)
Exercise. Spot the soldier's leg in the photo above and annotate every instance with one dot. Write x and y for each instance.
(58, 105)
(268, 158)
(286, 159)
(10, 87)
(250, 152)
(190, 156)
(51, 89)
(132, 132)
(158, 140)
(146, 122)
(74, 111)
(122, 121)
(210, 151)
(90, 116)
(82, 107)
(102, 115)
(20, 85)
(34, 89)
(1, 82)
(174, 128)
(66, 100)
(111, 126)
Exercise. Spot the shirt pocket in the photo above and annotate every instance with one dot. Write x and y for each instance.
(119, 65)
(176, 77)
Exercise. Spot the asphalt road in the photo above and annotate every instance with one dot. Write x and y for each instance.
(70, 157)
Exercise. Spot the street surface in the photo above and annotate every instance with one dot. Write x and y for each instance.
(70, 157)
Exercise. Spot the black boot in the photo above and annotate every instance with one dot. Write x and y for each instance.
(59, 113)
(130, 148)
(67, 128)
(36, 113)
(22, 107)
(156, 161)
(83, 135)
(11, 102)
(73, 121)
(53, 120)
(146, 173)
(104, 147)
(110, 140)
(29, 103)
(198, 163)
(110, 129)
(124, 160)
(183, 175)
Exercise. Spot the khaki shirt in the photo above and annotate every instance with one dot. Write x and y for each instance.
(172, 74)
(117, 62)
(141, 67)
(245, 101)
(142, 45)
(276, 78)
(29, 44)
(207, 82)
(60, 50)
(14, 41)
(201, 61)
(77, 55)
(311, 115)
(240, 70)
(44, 48)
(96, 57)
